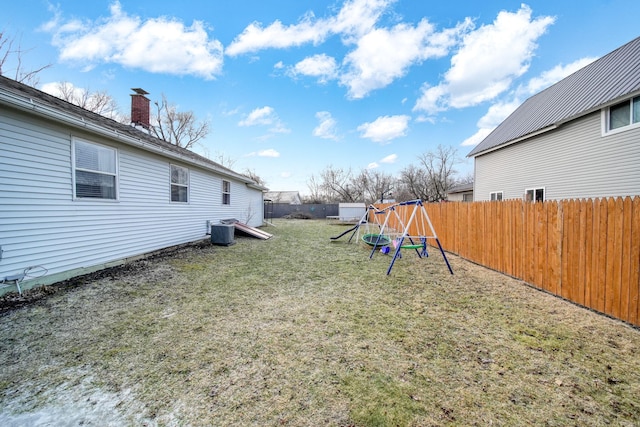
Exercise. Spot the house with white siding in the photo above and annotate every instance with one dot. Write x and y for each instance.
(285, 197)
(461, 193)
(579, 138)
(80, 192)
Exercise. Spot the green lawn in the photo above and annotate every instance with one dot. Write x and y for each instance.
(301, 331)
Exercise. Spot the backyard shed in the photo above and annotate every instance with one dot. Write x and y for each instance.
(351, 211)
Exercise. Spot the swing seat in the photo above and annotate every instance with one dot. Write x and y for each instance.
(412, 246)
(381, 239)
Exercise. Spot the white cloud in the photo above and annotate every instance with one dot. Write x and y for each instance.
(373, 165)
(379, 56)
(494, 116)
(264, 116)
(270, 152)
(391, 158)
(321, 66)
(499, 111)
(385, 128)
(355, 18)
(232, 112)
(255, 37)
(157, 45)
(476, 138)
(384, 55)
(327, 127)
(53, 88)
(425, 119)
(556, 74)
(259, 116)
(488, 61)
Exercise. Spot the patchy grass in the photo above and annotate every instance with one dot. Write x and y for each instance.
(298, 330)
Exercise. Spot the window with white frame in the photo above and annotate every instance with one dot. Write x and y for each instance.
(496, 196)
(623, 114)
(179, 184)
(534, 195)
(226, 192)
(95, 171)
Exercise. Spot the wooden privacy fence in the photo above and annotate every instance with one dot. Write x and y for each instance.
(587, 251)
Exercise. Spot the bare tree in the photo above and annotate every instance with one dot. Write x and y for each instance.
(251, 174)
(440, 172)
(338, 185)
(100, 102)
(467, 179)
(430, 181)
(11, 61)
(181, 128)
(414, 182)
(433, 177)
(316, 189)
(373, 185)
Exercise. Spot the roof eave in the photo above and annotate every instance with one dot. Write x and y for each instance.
(29, 105)
(514, 141)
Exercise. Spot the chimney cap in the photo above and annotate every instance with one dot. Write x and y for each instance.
(140, 91)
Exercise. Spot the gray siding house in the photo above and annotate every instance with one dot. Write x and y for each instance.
(80, 192)
(461, 193)
(288, 197)
(579, 138)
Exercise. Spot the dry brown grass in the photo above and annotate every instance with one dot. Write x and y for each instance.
(300, 331)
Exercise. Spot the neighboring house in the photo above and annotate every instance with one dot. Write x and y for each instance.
(461, 193)
(286, 197)
(80, 192)
(579, 138)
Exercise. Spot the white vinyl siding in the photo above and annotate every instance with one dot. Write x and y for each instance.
(573, 161)
(41, 224)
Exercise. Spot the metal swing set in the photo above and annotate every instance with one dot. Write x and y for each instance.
(407, 240)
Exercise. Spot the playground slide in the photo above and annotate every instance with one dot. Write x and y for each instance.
(348, 231)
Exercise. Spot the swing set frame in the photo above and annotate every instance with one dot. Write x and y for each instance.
(417, 242)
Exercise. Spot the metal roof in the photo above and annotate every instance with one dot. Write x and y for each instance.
(605, 80)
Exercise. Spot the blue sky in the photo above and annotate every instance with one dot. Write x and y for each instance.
(291, 87)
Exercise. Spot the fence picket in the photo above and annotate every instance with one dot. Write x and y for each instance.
(602, 255)
(567, 227)
(554, 243)
(634, 279)
(625, 270)
(617, 261)
(587, 251)
(580, 230)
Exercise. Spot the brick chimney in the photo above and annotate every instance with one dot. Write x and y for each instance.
(140, 108)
